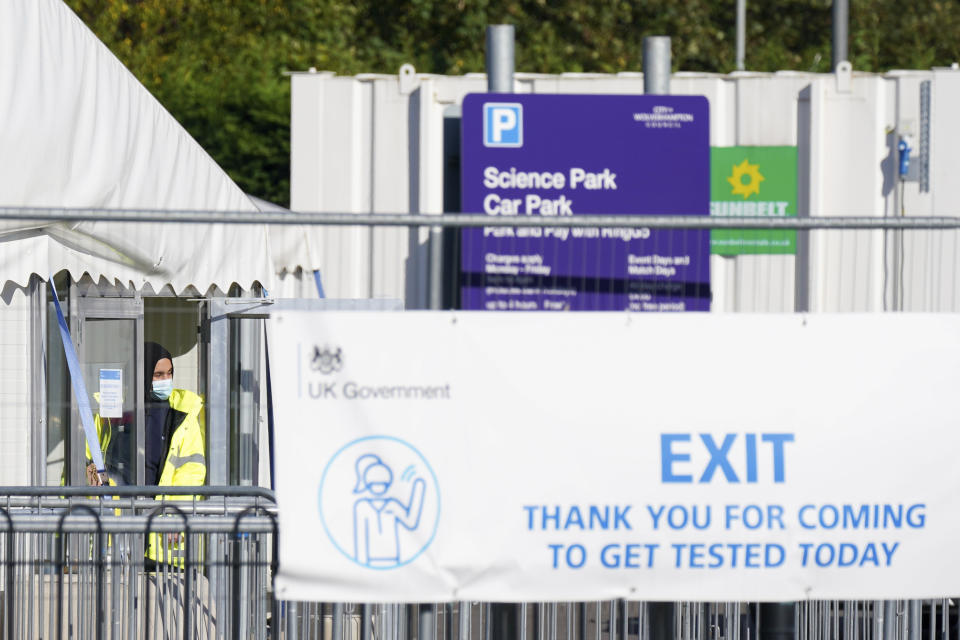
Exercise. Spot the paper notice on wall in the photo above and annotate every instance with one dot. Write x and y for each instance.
(111, 393)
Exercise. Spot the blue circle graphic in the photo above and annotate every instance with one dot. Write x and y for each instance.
(375, 502)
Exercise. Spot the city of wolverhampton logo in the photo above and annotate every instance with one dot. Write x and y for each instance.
(745, 179)
(326, 360)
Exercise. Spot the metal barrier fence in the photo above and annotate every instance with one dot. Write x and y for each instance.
(74, 566)
(76, 563)
(72, 559)
(835, 263)
(623, 620)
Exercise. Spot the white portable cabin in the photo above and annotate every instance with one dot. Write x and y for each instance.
(389, 143)
(81, 132)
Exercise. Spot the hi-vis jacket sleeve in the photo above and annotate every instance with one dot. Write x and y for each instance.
(189, 462)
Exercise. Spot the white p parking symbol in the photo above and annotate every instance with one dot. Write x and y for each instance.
(503, 124)
(503, 120)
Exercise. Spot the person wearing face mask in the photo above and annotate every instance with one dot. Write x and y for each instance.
(174, 453)
(174, 429)
(174, 447)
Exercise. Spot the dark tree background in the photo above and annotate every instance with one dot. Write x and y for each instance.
(218, 65)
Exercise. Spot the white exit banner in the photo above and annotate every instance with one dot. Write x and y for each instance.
(530, 457)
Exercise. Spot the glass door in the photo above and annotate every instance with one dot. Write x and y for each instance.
(108, 333)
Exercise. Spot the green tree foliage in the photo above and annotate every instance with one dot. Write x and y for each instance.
(218, 65)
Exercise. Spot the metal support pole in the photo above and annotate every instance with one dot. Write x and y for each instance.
(656, 65)
(923, 155)
(841, 22)
(426, 625)
(741, 33)
(365, 615)
(916, 620)
(889, 618)
(661, 618)
(777, 621)
(436, 268)
(38, 406)
(218, 420)
(504, 621)
(500, 58)
(464, 632)
(411, 617)
(218, 408)
(292, 611)
(805, 135)
(336, 623)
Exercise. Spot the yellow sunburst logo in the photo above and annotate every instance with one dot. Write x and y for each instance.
(745, 179)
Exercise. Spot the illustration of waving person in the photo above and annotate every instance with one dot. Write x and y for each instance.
(377, 519)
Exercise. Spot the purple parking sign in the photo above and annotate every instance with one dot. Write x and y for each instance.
(564, 155)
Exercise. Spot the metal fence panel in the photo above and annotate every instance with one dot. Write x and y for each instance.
(72, 559)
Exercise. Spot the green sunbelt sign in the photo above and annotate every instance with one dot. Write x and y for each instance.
(756, 182)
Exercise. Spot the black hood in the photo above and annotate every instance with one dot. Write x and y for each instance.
(152, 354)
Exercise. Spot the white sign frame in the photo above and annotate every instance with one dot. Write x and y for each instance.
(562, 447)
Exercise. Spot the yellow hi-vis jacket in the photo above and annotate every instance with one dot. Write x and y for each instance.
(184, 466)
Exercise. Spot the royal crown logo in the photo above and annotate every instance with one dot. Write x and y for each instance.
(326, 360)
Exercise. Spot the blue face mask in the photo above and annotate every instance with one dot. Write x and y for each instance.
(161, 389)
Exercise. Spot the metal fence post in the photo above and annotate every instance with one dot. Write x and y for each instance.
(841, 19)
(889, 618)
(8, 570)
(660, 620)
(656, 65)
(804, 206)
(188, 570)
(365, 610)
(426, 624)
(500, 58)
(916, 620)
(777, 621)
(503, 618)
(62, 566)
(741, 33)
(290, 627)
(336, 625)
(436, 267)
(465, 628)
(504, 621)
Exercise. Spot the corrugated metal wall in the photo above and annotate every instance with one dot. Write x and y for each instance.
(374, 143)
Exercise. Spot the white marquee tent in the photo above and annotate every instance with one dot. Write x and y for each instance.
(79, 131)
